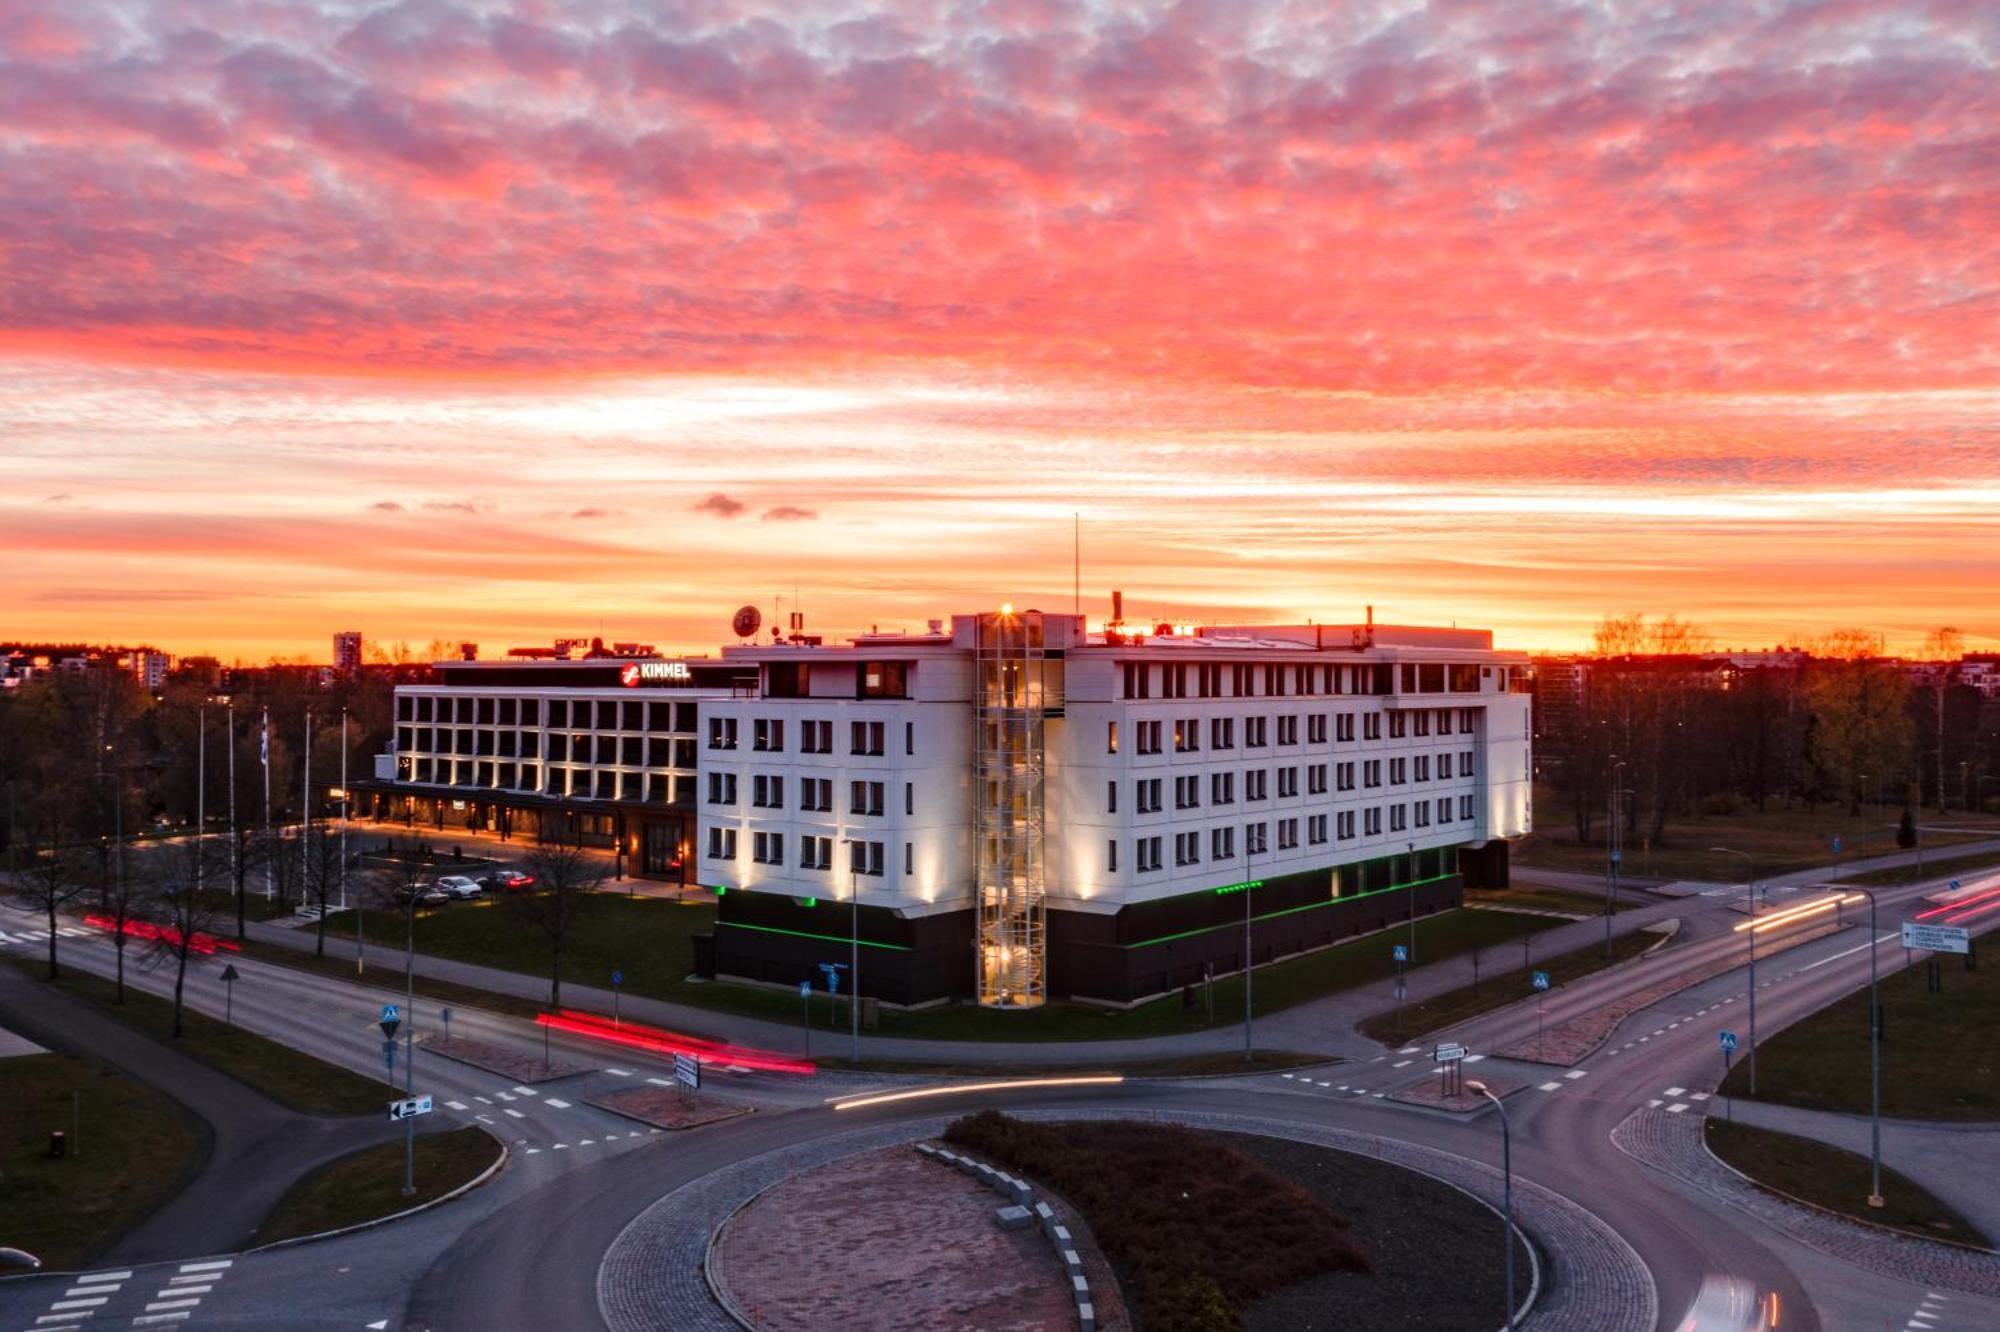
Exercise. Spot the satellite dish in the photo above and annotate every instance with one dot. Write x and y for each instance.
(747, 621)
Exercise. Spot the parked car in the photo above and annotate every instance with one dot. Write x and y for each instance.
(507, 881)
(426, 894)
(460, 887)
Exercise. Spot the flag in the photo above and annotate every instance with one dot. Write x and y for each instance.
(264, 742)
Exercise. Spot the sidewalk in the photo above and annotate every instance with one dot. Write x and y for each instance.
(254, 1148)
(1934, 1155)
(1320, 1026)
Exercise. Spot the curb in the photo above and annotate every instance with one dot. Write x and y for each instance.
(441, 1199)
(1828, 1211)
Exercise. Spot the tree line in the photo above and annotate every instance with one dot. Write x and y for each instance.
(1680, 730)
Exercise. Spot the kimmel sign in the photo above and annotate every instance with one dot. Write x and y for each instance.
(654, 672)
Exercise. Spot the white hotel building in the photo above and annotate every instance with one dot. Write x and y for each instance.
(1025, 809)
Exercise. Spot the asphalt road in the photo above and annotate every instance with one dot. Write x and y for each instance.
(525, 1251)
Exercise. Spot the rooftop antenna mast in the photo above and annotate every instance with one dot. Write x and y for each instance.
(1076, 565)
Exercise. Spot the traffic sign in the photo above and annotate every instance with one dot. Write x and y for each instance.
(1727, 1040)
(805, 989)
(410, 1108)
(1954, 885)
(1541, 980)
(1400, 953)
(1447, 1054)
(687, 1071)
(391, 1013)
(1617, 857)
(617, 978)
(1937, 938)
(1836, 846)
(229, 974)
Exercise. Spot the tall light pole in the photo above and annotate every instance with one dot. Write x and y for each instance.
(1615, 838)
(1507, 1187)
(343, 809)
(1413, 902)
(1249, 962)
(1750, 868)
(1874, 1064)
(200, 793)
(854, 854)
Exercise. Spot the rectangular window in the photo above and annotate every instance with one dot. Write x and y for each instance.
(1111, 855)
(909, 799)
(816, 737)
(1149, 737)
(1371, 821)
(1187, 735)
(1148, 849)
(864, 798)
(767, 792)
(910, 738)
(1187, 792)
(1111, 737)
(1316, 779)
(1344, 824)
(768, 734)
(1288, 783)
(722, 732)
(1316, 830)
(864, 858)
(1465, 720)
(1465, 807)
(1316, 729)
(1423, 726)
(1288, 729)
(722, 843)
(1398, 818)
(767, 848)
(1222, 844)
(1253, 839)
(1173, 680)
(1423, 813)
(1187, 848)
(1254, 787)
(1138, 680)
(1344, 725)
(882, 679)
(1371, 773)
(1465, 768)
(1222, 788)
(1111, 797)
(1255, 736)
(1288, 834)
(722, 788)
(1149, 795)
(1423, 768)
(1222, 733)
(1399, 771)
(1371, 726)
(865, 738)
(1399, 725)
(1444, 809)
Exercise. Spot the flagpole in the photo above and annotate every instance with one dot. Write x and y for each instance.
(235, 869)
(305, 813)
(344, 798)
(270, 847)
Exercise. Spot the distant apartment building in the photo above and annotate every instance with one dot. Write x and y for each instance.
(1021, 808)
(151, 667)
(347, 652)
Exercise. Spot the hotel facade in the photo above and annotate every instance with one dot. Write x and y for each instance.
(1021, 808)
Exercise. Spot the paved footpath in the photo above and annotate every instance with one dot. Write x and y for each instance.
(1932, 1154)
(1672, 1144)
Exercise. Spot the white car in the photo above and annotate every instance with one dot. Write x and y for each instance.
(459, 887)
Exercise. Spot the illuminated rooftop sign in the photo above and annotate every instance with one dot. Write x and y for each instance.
(654, 672)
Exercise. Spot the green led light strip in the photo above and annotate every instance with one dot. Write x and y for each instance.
(1291, 911)
(803, 934)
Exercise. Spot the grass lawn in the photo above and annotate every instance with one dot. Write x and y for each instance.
(1534, 897)
(135, 1147)
(1932, 869)
(1836, 1180)
(1940, 1052)
(369, 1184)
(1496, 990)
(1779, 841)
(649, 939)
(299, 1080)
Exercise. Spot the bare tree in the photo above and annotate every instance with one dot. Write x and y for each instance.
(322, 876)
(563, 872)
(54, 873)
(124, 900)
(185, 918)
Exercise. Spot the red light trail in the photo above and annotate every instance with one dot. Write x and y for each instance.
(145, 929)
(655, 1041)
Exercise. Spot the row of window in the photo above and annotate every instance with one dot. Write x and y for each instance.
(632, 751)
(601, 714)
(814, 853)
(767, 735)
(652, 788)
(1195, 679)
(1222, 841)
(767, 791)
(1187, 731)
(1402, 771)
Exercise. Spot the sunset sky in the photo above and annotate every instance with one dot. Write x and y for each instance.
(508, 321)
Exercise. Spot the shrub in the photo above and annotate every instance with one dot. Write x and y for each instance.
(1198, 1231)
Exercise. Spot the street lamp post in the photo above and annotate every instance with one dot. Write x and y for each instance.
(854, 853)
(1874, 1064)
(1507, 1187)
(410, 1047)
(1615, 836)
(1413, 902)
(1750, 868)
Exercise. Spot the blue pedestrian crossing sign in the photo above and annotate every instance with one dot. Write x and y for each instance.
(390, 1013)
(1836, 846)
(1727, 1040)
(1541, 980)
(805, 989)
(1400, 953)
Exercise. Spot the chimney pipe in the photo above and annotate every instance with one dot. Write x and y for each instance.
(1117, 606)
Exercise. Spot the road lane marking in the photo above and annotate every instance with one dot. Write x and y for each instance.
(503, 1096)
(484, 1119)
(172, 1289)
(94, 1288)
(560, 1147)
(525, 1091)
(1653, 1104)
(481, 1099)
(158, 1305)
(661, 1082)
(120, 1275)
(518, 1115)
(1472, 1059)
(1676, 1091)
(588, 1142)
(619, 1072)
(554, 1104)
(533, 1151)
(1550, 1086)
(1577, 1073)
(1408, 1049)
(1677, 1107)
(148, 1320)
(456, 1105)
(1405, 1063)
(214, 1265)
(1700, 1096)
(668, 1082)
(90, 1303)
(1319, 1084)
(1849, 953)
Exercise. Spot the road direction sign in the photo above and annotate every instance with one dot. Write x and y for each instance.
(1541, 980)
(687, 1071)
(1937, 938)
(1448, 1054)
(1400, 953)
(410, 1107)
(1727, 1040)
